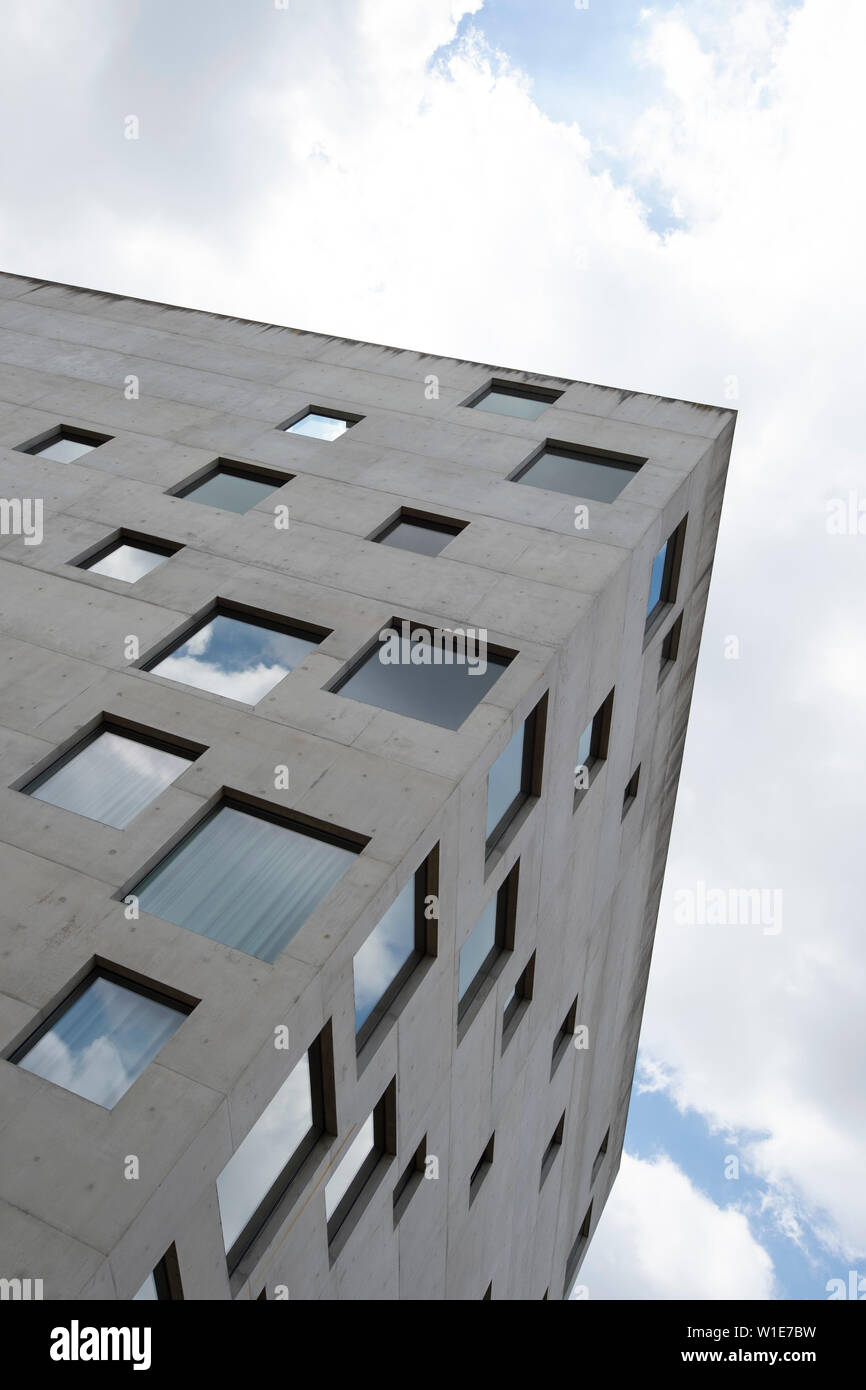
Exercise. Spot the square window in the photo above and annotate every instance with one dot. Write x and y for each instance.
(393, 949)
(410, 1180)
(111, 776)
(246, 878)
(422, 534)
(515, 776)
(524, 403)
(578, 472)
(517, 1001)
(592, 749)
(102, 1037)
(163, 1283)
(664, 576)
(234, 487)
(375, 1139)
(600, 1157)
(257, 1175)
(492, 934)
(481, 1169)
(65, 445)
(565, 1036)
(438, 677)
(575, 1255)
(630, 792)
(128, 557)
(551, 1152)
(234, 654)
(321, 424)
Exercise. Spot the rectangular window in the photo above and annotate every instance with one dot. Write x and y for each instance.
(551, 1152)
(235, 654)
(247, 878)
(102, 1037)
(515, 776)
(163, 1283)
(481, 1169)
(402, 938)
(348, 1181)
(565, 1036)
(410, 1180)
(438, 678)
(518, 1001)
(670, 648)
(259, 1172)
(599, 1158)
(319, 423)
(628, 796)
(128, 556)
(64, 445)
(521, 402)
(588, 473)
(575, 1255)
(112, 775)
(425, 535)
(664, 576)
(233, 487)
(492, 934)
(592, 749)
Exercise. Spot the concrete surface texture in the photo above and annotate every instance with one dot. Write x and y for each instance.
(561, 585)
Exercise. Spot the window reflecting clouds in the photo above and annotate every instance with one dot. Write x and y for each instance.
(349, 1167)
(255, 1166)
(384, 953)
(102, 1040)
(111, 779)
(319, 426)
(126, 561)
(235, 656)
(476, 948)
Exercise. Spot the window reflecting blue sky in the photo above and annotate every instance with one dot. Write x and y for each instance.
(234, 492)
(235, 656)
(578, 475)
(349, 1166)
(319, 426)
(384, 953)
(656, 577)
(257, 1163)
(444, 695)
(504, 780)
(476, 948)
(244, 880)
(584, 746)
(147, 1291)
(103, 1041)
(111, 779)
(126, 561)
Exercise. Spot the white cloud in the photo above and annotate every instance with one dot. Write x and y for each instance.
(659, 1237)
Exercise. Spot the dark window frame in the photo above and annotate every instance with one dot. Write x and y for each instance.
(166, 1277)
(563, 448)
(535, 730)
(574, 1256)
(518, 1005)
(236, 468)
(565, 1035)
(504, 935)
(426, 878)
(670, 580)
(320, 1056)
(670, 648)
(553, 1149)
(599, 745)
(410, 1180)
(598, 1161)
(57, 432)
(384, 1147)
(481, 1169)
(629, 796)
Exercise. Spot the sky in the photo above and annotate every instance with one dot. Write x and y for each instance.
(662, 197)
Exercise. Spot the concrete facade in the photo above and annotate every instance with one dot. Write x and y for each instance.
(570, 602)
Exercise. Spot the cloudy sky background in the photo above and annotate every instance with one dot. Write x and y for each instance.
(666, 198)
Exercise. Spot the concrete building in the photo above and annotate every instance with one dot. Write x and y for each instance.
(322, 958)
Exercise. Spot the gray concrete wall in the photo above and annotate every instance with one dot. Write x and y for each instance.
(571, 603)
